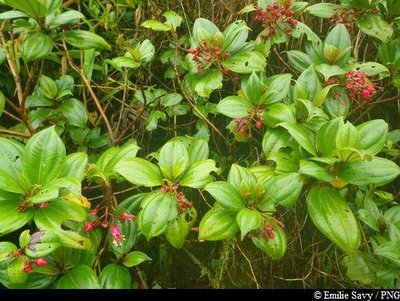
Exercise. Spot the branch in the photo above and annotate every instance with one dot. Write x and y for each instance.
(17, 81)
(14, 133)
(92, 94)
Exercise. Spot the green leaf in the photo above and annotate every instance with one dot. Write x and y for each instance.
(33, 8)
(379, 172)
(323, 10)
(254, 89)
(278, 87)
(12, 14)
(337, 103)
(80, 277)
(361, 268)
(198, 174)
(48, 87)
(329, 70)
(283, 189)
(248, 220)
(173, 19)
(173, 160)
(198, 150)
(6, 248)
(276, 247)
(135, 258)
(334, 218)
(375, 26)
(218, 224)
(301, 135)
(325, 139)
(373, 135)
(274, 140)
(234, 107)
(55, 213)
(225, 195)
(10, 218)
(179, 229)
(107, 162)
(309, 81)
(203, 29)
(157, 210)
(15, 270)
(171, 99)
(75, 112)
(36, 46)
(44, 157)
(389, 250)
(207, 82)
(245, 62)
(314, 170)
(339, 37)
(321, 96)
(299, 60)
(70, 17)
(42, 243)
(140, 172)
(235, 36)
(85, 40)
(24, 238)
(348, 136)
(371, 68)
(75, 166)
(114, 276)
(239, 176)
(156, 25)
(277, 113)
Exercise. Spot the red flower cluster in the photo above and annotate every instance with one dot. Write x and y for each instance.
(357, 85)
(183, 202)
(275, 14)
(103, 221)
(343, 15)
(209, 54)
(243, 126)
(266, 231)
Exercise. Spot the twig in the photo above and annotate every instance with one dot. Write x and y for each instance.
(92, 94)
(14, 133)
(12, 116)
(250, 265)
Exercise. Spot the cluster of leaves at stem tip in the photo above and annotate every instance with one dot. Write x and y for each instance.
(300, 121)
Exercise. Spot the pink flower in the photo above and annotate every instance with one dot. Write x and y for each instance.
(89, 227)
(125, 216)
(44, 204)
(116, 235)
(40, 262)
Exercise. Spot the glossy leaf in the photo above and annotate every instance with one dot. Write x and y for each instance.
(44, 157)
(379, 172)
(173, 159)
(218, 224)
(140, 172)
(80, 277)
(114, 276)
(334, 218)
(225, 195)
(135, 258)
